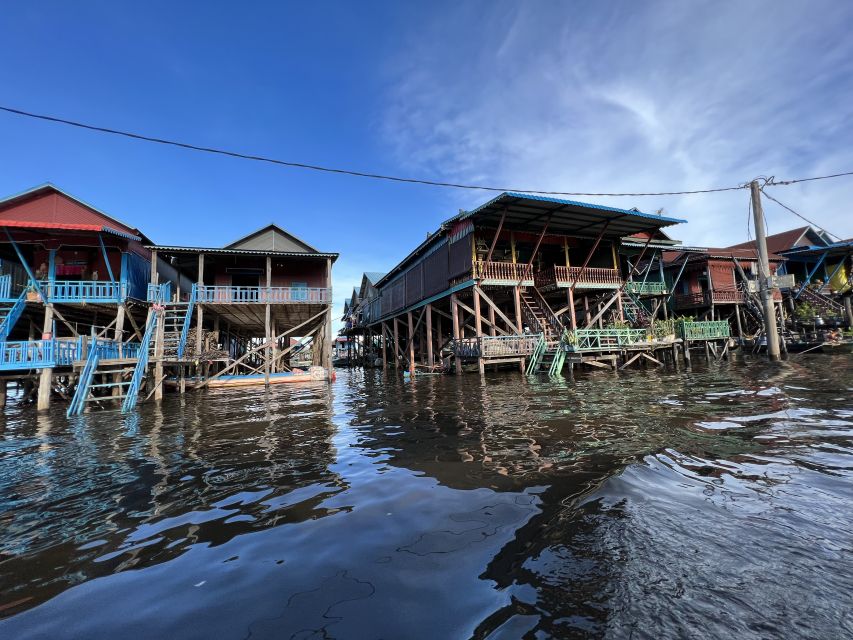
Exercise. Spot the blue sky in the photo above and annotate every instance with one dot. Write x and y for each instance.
(575, 96)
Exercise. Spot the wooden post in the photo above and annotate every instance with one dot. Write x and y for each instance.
(478, 327)
(572, 318)
(267, 326)
(384, 343)
(848, 309)
(119, 337)
(770, 328)
(46, 375)
(199, 322)
(159, 351)
(454, 312)
(619, 308)
(327, 328)
(396, 343)
(516, 294)
(586, 308)
(2, 393)
(155, 275)
(430, 355)
(411, 343)
(739, 323)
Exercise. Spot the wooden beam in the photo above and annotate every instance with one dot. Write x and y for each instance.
(589, 256)
(495, 308)
(430, 355)
(497, 234)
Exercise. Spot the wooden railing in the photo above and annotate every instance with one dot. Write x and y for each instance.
(496, 346)
(71, 291)
(648, 288)
(604, 339)
(708, 330)
(590, 278)
(215, 294)
(718, 296)
(512, 272)
(161, 293)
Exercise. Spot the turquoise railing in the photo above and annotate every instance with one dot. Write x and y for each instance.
(215, 294)
(646, 288)
(604, 339)
(6, 286)
(115, 350)
(84, 383)
(141, 365)
(84, 291)
(161, 293)
(39, 354)
(12, 315)
(185, 330)
(538, 352)
(560, 355)
(706, 330)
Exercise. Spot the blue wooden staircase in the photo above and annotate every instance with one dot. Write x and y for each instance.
(113, 368)
(141, 364)
(10, 313)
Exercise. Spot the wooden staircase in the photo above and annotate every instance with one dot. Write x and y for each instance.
(102, 381)
(825, 304)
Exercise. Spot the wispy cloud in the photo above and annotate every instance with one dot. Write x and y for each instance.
(635, 97)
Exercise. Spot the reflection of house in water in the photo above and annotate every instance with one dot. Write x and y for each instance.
(203, 473)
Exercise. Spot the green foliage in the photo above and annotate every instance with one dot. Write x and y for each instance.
(805, 312)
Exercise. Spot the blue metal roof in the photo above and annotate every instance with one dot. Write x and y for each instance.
(666, 221)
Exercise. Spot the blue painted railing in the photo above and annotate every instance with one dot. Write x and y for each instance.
(114, 350)
(39, 354)
(261, 295)
(6, 287)
(141, 365)
(84, 383)
(12, 315)
(84, 291)
(161, 293)
(185, 330)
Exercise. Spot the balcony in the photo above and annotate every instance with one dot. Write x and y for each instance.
(205, 294)
(648, 288)
(718, 296)
(511, 273)
(60, 352)
(591, 278)
(510, 346)
(80, 291)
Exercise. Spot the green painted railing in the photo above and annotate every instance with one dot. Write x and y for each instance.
(538, 352)
(646, 288)
(604, 339)
(707, 330)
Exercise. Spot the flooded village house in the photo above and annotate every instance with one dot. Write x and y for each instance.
(95, 313)
(521, 280)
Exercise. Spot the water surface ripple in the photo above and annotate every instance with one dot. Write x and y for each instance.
(712, 503)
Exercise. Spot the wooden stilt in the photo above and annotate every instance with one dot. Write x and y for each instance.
(411, 343)
(478, 326)
(430, 355)
(46, 375)
(454, 312)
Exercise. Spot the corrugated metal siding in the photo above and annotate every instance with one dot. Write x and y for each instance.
(435, 272)
(414, 284)
(459, 258)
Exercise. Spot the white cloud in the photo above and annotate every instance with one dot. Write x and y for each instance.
(635, 97)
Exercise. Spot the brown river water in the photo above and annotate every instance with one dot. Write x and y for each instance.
(712, 503)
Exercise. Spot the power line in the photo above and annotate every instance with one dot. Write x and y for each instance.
(349, 172)
(799, 215)
(780, 183)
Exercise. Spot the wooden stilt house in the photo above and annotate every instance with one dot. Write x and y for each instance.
(74, 282)
(523, 280)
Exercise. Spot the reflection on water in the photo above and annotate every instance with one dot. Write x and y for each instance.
(713, 503)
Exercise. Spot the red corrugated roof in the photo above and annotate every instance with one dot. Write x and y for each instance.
(776, 242)
(61, 226)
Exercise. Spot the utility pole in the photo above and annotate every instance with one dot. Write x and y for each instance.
(764, 274)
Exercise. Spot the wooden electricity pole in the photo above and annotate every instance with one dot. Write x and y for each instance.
(764, 274)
